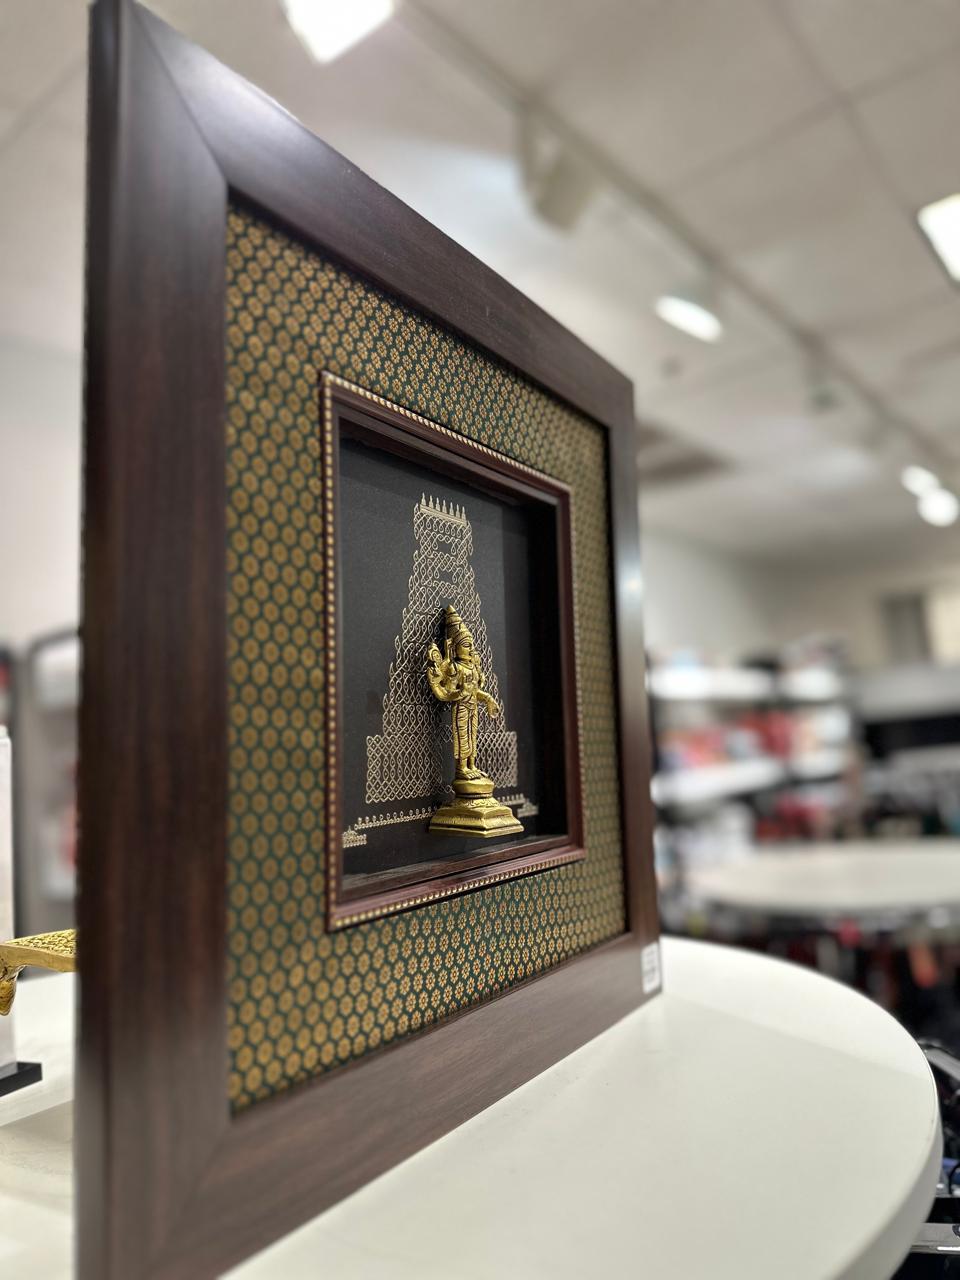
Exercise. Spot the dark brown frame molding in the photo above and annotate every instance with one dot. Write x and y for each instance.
(362, 415)
(170, 1186)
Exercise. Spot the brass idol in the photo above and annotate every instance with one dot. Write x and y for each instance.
(455, 677)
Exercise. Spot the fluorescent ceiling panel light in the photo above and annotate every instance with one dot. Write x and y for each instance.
(917, 480)
(328, 28)
(689, 316)
(939, 507)
(941, 222)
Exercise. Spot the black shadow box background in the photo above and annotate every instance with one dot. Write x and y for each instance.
(412, 540)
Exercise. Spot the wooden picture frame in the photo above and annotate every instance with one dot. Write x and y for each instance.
(350, 410)
(172, 1184)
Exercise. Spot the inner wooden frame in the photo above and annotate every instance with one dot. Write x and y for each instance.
(349, 410)
(171, 1185)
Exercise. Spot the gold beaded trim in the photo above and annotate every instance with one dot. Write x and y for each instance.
(334, 380)
(480, 883)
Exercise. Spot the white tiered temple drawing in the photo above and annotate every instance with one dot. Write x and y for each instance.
(409, 759)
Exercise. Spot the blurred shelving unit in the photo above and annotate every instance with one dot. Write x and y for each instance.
(6, 687)
(911, 719)
(748, 756)
(711, 684)
(812, 684)
(775, 779)
(824, 762)
(710, 782)
(729, 731)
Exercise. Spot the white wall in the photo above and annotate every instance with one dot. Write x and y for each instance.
(847, 603)
(728, 607)
(40, 393)
(698, 597)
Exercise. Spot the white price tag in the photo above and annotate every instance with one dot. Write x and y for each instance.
(650, 967)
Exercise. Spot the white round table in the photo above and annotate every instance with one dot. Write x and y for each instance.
(756, 1120)
(857, 879)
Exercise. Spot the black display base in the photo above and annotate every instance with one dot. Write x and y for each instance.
(25, 1073)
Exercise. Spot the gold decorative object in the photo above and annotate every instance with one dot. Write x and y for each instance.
(57, 951)
(406, 760)
(456, 677)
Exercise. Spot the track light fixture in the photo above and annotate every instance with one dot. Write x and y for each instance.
(559, 183)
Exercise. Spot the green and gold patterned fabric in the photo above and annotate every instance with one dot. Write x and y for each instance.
(303, 1001)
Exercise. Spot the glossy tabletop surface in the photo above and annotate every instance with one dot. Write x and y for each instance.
(756, 1120)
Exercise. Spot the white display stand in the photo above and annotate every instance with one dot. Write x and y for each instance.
(757, 1120)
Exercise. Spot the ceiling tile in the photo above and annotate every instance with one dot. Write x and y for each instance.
(769, 513)
(748, 514)
(810, 223)
(857, 42)
(602, 281)
(931, 397)
(40, 40)
(8, 115)
(894, 349)
(66, 105)
(913, 128)
(682, 86)
(535, 42)
(763, 411)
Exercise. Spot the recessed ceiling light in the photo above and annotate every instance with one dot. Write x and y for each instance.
(941, 222)
(328, 28)
(939, 507)
(690, 315)
(918, 480)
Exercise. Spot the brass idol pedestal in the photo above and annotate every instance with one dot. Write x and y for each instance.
(475, 812)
